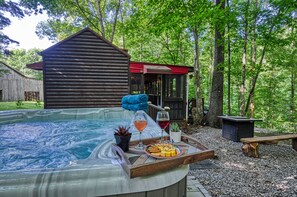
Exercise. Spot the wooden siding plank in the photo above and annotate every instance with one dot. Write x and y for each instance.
(105, 86)
(99, 60)
(82, 69)
(86, 50)
(88, 53)
(84, 100)
(62, 70)
(83, 94)
(75, 74)
(74, 82)
(86, 64)
(73, 49)
(85, 44)
(84, 103)
(84, 78)
(88, 90)
(101, 74)
(93, 56)
(82, 45)
(82, 106)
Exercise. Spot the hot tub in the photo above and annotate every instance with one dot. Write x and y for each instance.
(74, 159)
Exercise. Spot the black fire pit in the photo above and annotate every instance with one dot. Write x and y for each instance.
(236, 127)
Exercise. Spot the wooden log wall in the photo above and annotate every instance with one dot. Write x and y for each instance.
(13, 85)
(85, 71)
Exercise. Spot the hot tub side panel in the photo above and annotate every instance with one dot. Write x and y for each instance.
(178, 189)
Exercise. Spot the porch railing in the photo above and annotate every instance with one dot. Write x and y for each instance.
(153, 110)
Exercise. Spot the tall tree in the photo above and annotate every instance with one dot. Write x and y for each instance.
(229, 61)
(198, 110)
(14, 10)
(293, 76)
(216, 98)
(254, 50)
(244, 59)
(268, 37)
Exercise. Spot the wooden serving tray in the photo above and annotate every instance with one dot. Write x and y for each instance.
(138, 163)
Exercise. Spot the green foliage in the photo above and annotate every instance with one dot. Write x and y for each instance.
(13, 106)
(38, 103)
(174, 127)
(19, 58)
(3, 72)
(19, 103)
(122, 131)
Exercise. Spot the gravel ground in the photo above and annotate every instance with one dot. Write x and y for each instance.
(273, 174)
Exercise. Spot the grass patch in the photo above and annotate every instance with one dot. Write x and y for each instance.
(17, 105)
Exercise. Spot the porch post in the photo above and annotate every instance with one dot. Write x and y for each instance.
(142, 84)
(187, 97)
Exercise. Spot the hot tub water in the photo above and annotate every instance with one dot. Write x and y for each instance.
(54, 144)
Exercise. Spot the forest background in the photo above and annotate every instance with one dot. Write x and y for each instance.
(243, 51)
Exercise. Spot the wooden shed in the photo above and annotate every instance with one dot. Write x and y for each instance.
(85, 70)
(16, 86)
(166, 85)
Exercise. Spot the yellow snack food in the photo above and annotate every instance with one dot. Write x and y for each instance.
(162, 150)
(172, 153)
(167, 154)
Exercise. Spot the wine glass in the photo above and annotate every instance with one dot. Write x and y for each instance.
(163, 121)
(140, 123)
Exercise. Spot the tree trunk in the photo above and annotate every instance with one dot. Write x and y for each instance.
(210, 67)
(100, 17)
(254, 80)
(293, 78)
(198, 110)
(253, 55)
(123, 34)
(244, 61)
(115, 20)
(216, 98)
(229, 63)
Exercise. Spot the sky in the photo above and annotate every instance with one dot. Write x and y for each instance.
(23, 31)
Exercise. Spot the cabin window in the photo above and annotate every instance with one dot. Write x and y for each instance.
(31, 96)
(1, 96)
(174, 86)
(135, 84)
